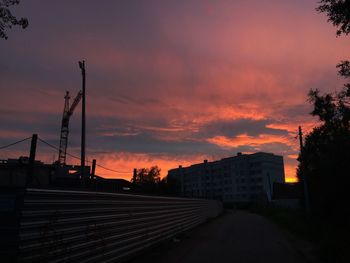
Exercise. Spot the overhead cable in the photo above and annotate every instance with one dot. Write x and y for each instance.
(14, 143)
(76, 157)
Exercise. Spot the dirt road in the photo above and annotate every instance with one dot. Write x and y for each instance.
(239, 237)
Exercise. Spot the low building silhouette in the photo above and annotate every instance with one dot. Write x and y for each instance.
(14, 173)
(287, 195)
(241, 178)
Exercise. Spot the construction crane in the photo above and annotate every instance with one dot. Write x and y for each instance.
(67, 113)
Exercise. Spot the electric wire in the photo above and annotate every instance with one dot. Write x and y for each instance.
(57, 149)
(112, 170)
(76, 157)
(14, 143)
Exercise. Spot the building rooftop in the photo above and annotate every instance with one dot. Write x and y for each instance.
(239, 155)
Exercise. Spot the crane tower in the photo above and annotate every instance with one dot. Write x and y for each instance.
(67, 113)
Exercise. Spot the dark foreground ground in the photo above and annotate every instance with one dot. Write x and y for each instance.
(236, 236)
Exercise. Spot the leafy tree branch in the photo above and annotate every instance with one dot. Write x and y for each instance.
(7, 19)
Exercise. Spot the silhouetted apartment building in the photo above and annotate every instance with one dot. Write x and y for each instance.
(241, 178)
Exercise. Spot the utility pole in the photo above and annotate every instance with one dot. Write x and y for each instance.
(31, 160)
(306, 192)
(134, 176)
(93, 168)
(82, 164)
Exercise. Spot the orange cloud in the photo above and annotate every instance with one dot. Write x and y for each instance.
(244, 139)
(307, 124)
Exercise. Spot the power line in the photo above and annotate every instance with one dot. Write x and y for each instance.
(76, 157)
(11, 144)
(48, 144)
(56, 148)
(73, 156)
(112, 170)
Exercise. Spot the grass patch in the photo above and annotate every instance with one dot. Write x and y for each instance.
(330, 238)
(293, 221)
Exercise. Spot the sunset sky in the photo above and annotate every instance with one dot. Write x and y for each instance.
(168, 82)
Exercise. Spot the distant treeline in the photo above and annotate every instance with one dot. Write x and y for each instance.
(148, 181)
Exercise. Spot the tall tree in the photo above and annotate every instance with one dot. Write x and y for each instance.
(325, 158)
(325, 161)
(7, 19)
(147, 180)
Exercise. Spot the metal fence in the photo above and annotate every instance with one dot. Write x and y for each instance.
(78, 226)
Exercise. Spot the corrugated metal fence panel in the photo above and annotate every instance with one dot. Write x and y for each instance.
(72, 226)
(10, 202)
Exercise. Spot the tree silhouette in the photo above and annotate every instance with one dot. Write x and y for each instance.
(147, 180)
(7, 20)
(326, 153)
(325, 163)
(338, 12)
(325, 157)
